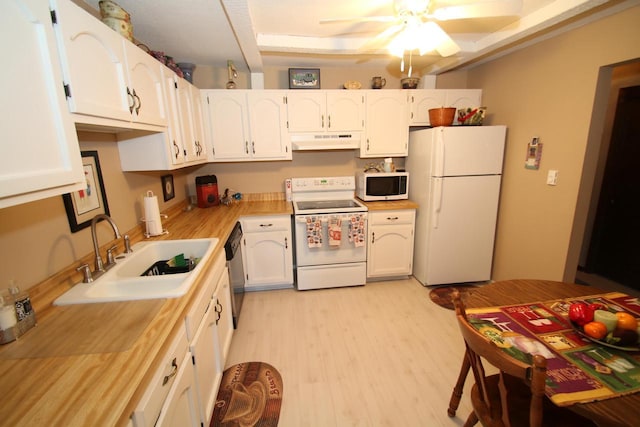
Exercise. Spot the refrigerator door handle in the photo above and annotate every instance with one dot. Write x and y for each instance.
(438, 169)
(437, 201)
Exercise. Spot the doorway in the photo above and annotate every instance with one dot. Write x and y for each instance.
(613, 250)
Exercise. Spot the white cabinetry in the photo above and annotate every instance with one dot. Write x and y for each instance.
(40, 153)
(246, 125)
(183, 390)
(107, 76)
(171, 395)
(325, 111)
(422, 100)
(209, 327)
(180, 144)
(387, 124)
(267, 252)
(390, 243)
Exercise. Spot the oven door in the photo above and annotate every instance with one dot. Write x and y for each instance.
(346, 252)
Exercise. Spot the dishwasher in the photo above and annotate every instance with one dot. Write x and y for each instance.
(233, 252)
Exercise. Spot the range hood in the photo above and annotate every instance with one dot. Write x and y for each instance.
(325, 141)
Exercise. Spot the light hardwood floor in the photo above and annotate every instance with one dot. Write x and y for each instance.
(381, 354)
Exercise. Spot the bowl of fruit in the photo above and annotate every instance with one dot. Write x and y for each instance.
(596, 323)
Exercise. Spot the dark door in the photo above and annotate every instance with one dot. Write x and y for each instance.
(614, 251)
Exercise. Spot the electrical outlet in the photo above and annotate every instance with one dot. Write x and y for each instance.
(552, 177)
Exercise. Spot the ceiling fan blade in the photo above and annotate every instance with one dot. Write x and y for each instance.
(360, 19)
(434, 38)
(382, 39)
(479, 9)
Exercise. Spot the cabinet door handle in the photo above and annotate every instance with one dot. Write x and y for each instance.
(286, 243)
(246, 147)
(322, 121)
(373, 237)
(266, 225)
(329, 117)
(175, 146)
(174, 371)
(139, 102)
(132, 100)
(253, 147)
(392, 218)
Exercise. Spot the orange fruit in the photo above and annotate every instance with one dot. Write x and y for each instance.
(596, 330)
(626, 321)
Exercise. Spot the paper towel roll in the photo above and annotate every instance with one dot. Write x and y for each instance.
(152, 214)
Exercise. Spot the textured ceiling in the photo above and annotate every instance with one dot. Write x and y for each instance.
(259, 33)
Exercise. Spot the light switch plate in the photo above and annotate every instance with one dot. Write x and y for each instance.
(552, 177)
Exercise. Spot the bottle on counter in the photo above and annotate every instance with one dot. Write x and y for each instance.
(8, 317)
(25, 314)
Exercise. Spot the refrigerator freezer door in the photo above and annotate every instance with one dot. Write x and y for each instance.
(468, 150)
(461, 231)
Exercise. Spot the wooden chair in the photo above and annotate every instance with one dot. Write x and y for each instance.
(514, 396)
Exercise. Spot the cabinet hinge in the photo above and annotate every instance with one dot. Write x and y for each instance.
(67, 90)
(54, 18)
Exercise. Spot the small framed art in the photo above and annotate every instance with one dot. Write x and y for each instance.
(83, 205)
(304, 78)
(168, 191)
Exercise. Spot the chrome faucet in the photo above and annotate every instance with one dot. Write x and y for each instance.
(99, 266)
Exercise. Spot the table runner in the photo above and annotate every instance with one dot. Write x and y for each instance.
(578, 370)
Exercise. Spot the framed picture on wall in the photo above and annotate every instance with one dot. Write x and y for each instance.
(83, 205)
(168, 191)
(304, 78)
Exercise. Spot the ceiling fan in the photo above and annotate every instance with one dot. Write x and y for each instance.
(414, 27)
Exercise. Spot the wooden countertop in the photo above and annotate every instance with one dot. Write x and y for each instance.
(61, 385)
(391, 205)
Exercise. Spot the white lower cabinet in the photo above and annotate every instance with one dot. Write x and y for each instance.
(267, 252)
(184, 389)
(171, 390)
(181, 406)
(390, 243)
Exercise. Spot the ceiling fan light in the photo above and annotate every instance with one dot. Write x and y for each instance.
(412, 6)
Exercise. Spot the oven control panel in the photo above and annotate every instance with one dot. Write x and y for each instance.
(338, 183)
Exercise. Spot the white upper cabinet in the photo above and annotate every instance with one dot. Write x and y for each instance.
(40, 152)
(180, 144)
(107, 76)
(463, 98)
(246, 125)
(191, 121)
(421, 101)
(387, 124)
(325, 111)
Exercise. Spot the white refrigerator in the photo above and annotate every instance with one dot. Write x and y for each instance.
(455, 179)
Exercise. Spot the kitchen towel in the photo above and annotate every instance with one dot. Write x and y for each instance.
(356, 230)
(152, 215)
(314, 232)
(335, 231)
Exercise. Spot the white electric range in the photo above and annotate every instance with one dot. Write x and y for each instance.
(330, 233)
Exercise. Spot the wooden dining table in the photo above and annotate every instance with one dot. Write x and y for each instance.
(616, 411)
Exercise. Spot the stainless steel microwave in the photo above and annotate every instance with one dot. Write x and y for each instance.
(372, 186)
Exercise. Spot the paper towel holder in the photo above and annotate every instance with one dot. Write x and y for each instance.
(164, 230)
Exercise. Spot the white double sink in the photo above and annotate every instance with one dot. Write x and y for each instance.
(123, 282)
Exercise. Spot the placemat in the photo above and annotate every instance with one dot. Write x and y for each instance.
(578, 370)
